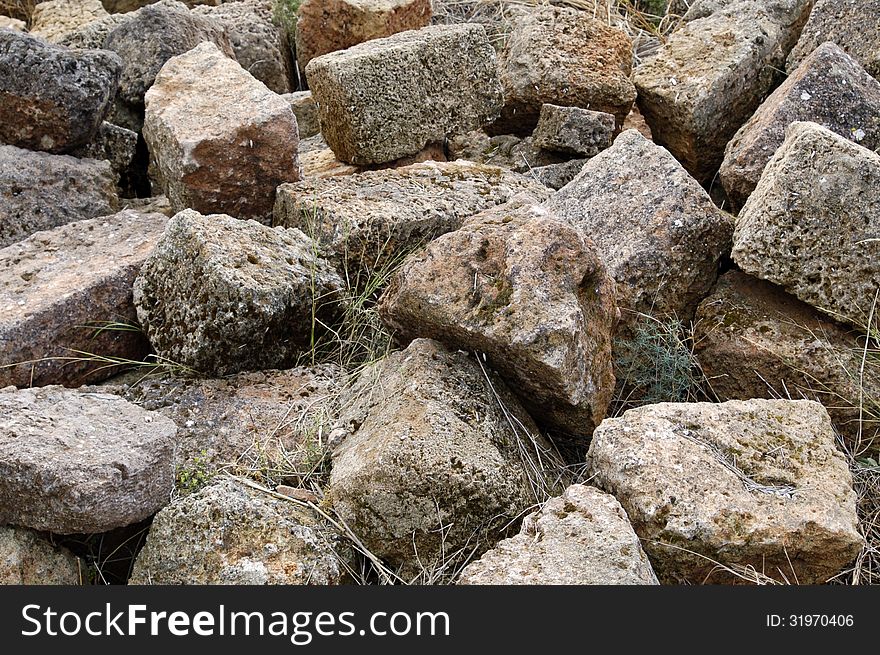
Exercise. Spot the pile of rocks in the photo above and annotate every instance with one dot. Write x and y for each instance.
(228, 193)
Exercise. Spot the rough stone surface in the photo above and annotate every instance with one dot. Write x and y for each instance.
(118, 146)
(562, 56)
(73, 462)
(221, 141)
(12, 24)
(532, 294)
(229, 533)
(318, 161)
(222, 295)
(60, 287)
(152, 36)
(849, 24)
(324, 26)
(828, 88)
(509, 151)
(259, 46)
(377, 217)
(657, 229)
(51, 98)
(582, 537)
(55, 19)
(92, 35)
(306, 111)
(752, 340)
(709, 78)
(556, 176)
(39, 191)
(27, 558)
(389, 98)
(271, 421)
(573, 130)
(755, 483)
(432, 464)
(811, 225)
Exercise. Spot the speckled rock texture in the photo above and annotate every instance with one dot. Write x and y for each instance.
(529, 291)
(753, 340)
(52, 98)
(757, 483)
(221, 295)
(118, 146)
(389, 98)
(39, 191)
(229, 533)
(658, 231)
(73, 462)
(374, 218)
(306, 111)
(828, 88)
(92, 35)
(573, 130)
(324, 26)
(849, 24)
(27, 558)
(433, 464)
(556, 176)
(811, 225)
(60, 287)
(582, 537)
(220, 140)
(563, 56)
(55, 19)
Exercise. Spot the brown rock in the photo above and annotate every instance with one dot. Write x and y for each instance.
(55, 19)
(28, 559)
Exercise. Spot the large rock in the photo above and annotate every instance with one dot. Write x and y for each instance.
(811, 224)
(55, 19)
(92, 35)
(152, 36)
(221, 141)
(374, 219)
(52, 98)
(259, 45)
(435, 465)
(220, 295)
(389, 98)
(27, 558)
(73, 462)
(752, 340)
(848, 24)
(67, 290)
(582, 537)
(39, 191)
(229, 533)
(757, 483)
(532, 294)
(306, 111)
(324, 26)
(118, 146)
(573, 130)
(656, 228)
(275, 424)
(711, 75)
(828, 88)
(562, 56)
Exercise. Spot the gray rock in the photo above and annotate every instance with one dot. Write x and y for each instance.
(828, 88)
(752, 340)
(306, 111)
(811, 224)
(39, 191)
(848, 24)
(53, 99)
(656, 228)
(556, 176)
(582, 537)
(434, 468)
(221, 295)
(562, 56)
(220, 141)
(118, 146)
(757, 483)
(73, 462)
(373, 219)
(573, 130)
(229, 533)
(152, 36)
(509, 151)
(531, 293)
(259, 45)
(28, 559)
(63, 288)
(92, 35)
(389, 98)
(711, 75)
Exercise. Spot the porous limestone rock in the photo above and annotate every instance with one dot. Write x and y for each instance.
(573, 130)
(28, 559)
(54, 19)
